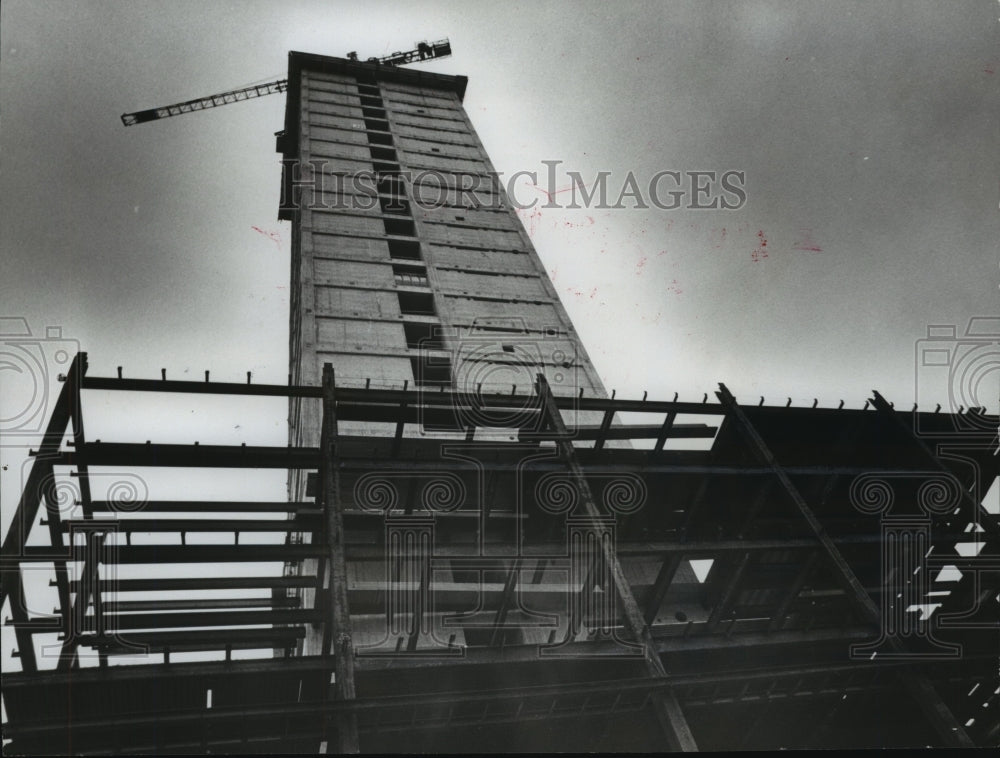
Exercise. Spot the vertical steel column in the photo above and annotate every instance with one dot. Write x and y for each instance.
(31, 497)
(19, 615)
(90, 556)
(51, 500)
(664, 577)
(339, 616)
(778, 619)
(510, 587)
(921, 689)
(692, 510)
(605, 426)
(661, 440)
(755, 508)
(68, 657)
(730, 593)
(36, 491)
(666, 705)
(79, 438)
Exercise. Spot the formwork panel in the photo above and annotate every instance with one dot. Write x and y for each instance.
(343, 301)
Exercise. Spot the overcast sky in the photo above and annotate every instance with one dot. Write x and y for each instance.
(867, 133)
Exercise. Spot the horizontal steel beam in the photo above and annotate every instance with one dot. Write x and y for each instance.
(175, 554)
(206, 604)
(206, 506)
(129, 622)
(201, 388)
(130, 525)
(231, 456)
(386, 704)
(202, 639)
(429, 416)
(228, 553)
(606, 462)
(415, 398)
(446, 596)
(503, 553)
(627, 432)
(475, 657)
(189, 456)
(412, 398)
(173, 584)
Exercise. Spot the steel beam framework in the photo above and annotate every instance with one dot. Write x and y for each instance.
(796, 578)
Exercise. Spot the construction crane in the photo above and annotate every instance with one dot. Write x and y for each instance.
(422, 52)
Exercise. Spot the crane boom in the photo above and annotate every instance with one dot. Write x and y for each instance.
(423, 51)
(188, 106)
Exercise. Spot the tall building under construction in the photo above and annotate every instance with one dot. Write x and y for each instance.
(483, 551)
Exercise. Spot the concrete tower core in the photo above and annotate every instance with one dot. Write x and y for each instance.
(409, 266)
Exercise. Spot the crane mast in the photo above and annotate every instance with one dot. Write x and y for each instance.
(422, 51)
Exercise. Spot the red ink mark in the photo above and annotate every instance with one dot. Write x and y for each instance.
(273, 236)
(593, 292)
(720, 237)
(550, 195)
(534, 216)
(990, 68)
(532, 219)
(640, 264)
(807, 243)
(674, 287)
(760, 252)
